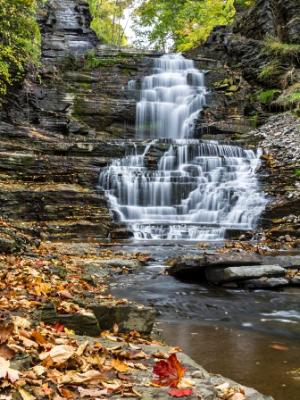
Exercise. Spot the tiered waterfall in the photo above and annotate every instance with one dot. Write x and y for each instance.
(171, 186)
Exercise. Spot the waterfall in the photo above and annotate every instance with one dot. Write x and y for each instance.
(171, 186)
(171, 99)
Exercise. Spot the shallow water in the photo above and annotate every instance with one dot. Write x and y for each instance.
(227, 331)
(244, 356)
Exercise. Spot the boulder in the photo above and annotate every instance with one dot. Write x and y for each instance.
(229, 274)
(129, 317)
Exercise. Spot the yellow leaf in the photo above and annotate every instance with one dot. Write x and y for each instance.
(119, 366)
(26, 395)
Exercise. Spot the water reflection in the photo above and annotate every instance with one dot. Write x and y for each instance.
(246, 357)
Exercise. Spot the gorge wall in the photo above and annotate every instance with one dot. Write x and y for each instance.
(55, 130)
(65, 123)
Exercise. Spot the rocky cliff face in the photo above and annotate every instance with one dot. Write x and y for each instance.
(59, 129)
(257, 73)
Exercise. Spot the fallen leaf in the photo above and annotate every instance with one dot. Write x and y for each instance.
(39, 370)
(6, 352)
(58, 327)
(119, 366)
(92, 392)
(7, 372)
(180, 392)
(66, 393)
(5, 332)
(39, 338)
(26, 395)
(59, 354)
(169, 372)
(76, 377)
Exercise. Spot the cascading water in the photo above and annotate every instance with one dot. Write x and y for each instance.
(190, 189)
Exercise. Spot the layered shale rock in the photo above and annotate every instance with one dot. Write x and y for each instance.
(57, 131)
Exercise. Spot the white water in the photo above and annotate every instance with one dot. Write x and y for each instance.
(181, 188)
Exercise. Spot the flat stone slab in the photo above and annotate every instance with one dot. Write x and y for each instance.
(230, 274)
(195, 266)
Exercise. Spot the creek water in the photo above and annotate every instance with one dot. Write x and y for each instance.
(251, 337)
(172, 189)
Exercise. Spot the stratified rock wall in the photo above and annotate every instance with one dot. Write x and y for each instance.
(275, 18)
(65, 27)
(58, 130)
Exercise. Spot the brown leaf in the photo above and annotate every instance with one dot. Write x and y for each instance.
(6, 352)
(59, 354)
(6, 332)
(66, 393)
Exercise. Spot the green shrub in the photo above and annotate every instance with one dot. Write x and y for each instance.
(20, 40)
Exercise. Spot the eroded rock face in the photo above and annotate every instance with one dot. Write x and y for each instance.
(57, 132)
(279, 18)
(66, 29)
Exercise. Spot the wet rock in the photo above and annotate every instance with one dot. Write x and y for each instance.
(111, 266)
(195, 266)
(11, 240)
(82, 323)
(295, 280)
(266, 283)
(121, 234)
(128, 317)
(220, 275)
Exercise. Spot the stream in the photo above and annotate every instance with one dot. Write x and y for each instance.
(249, 336)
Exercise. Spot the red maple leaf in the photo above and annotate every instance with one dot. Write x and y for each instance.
(180, 392)
(169, 372)
(58, 327)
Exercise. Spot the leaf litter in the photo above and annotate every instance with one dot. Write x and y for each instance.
(55, 363)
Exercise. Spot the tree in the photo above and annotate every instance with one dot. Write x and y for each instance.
(184, 23)
(19, 40)
(108, 16)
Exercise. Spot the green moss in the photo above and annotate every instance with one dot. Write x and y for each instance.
(267, 96)
(92, 61)
(283, 50)
(297, 172)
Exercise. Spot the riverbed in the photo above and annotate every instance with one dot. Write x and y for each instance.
(249, 336)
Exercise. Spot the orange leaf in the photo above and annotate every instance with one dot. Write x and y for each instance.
(39, 338)
(169, 372)
(180, 392)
